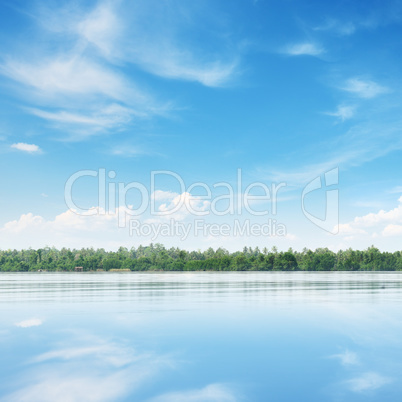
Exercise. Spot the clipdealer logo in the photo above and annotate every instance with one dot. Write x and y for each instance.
(153, 216)
(235, 200)
(329, 182)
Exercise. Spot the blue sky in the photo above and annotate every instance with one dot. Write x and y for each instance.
(285, 91)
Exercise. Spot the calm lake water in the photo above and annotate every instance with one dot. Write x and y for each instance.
(201, 337)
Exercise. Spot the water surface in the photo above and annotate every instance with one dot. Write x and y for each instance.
(201, 336)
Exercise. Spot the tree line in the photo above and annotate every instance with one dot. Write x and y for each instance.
(156, 257)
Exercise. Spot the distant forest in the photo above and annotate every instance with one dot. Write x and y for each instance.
(158, 258)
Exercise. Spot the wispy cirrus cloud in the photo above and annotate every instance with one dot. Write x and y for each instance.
(49, 387)
(215, 74)
(343, 112)
(396, 190)
(93, 121)
(109, 353)
(337, 27)
(128, 151)
(304, 49)
(368, 382)
(86, 81)
(79, 95)
(210, 393)
(366, 89)
(124, 34)
(357, 146)
(98, 370)
(347, 358)
(102, 27)
(73, 75)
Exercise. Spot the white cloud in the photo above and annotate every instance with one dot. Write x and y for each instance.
(125, 33)
(179, 206)
(169, 65)
(109, 353)
(25, 221)
(102, 27)
(367, 382)
(210, 393)
(96, 227)
(386, 223)
(30, 148)
(396, 190)
(67, 76)
(92, 122)
(67, 228)
(337, 27)
(347, 358)
(392, 230)
(81, 94)
(379, 218)
(107, 117)
(343, 112)
(304, 49)
(127, 150)
(92, 372)
(160, 195)
(83, 88)
(366, 89)
(71, 388)
(358, 145)
(349, 229)
(161, 51)
(33, 322)
(346, 29)
(173, 223)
